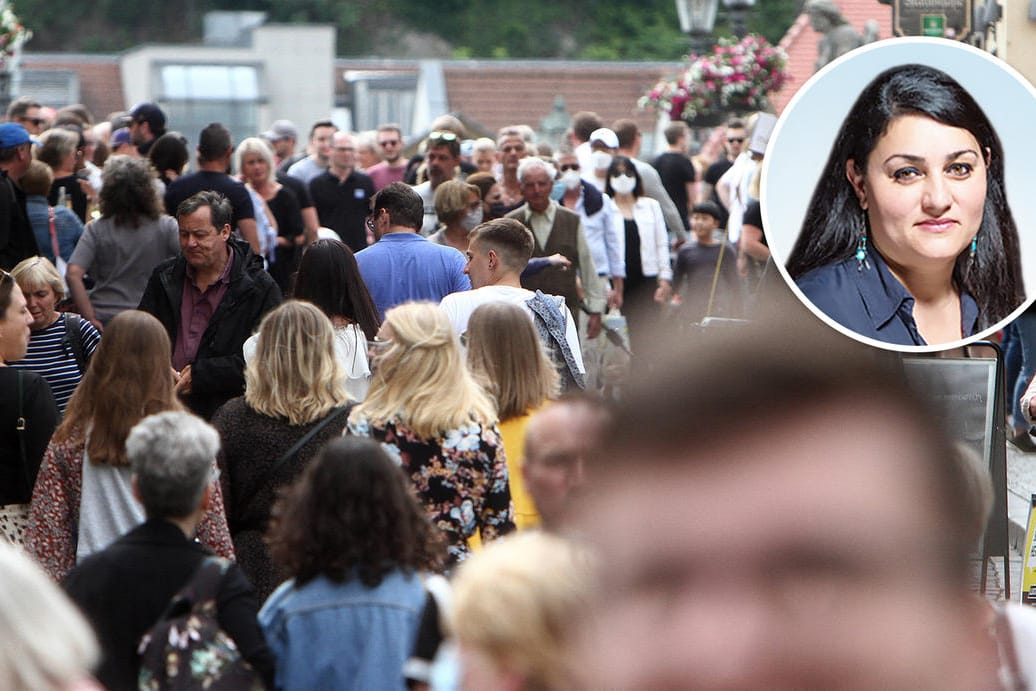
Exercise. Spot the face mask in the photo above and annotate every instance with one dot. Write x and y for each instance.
(571, 179)
(496, 210)
(623, 184)
(601, 160)
(471, 219)
(558, 191)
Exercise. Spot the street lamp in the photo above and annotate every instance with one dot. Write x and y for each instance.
(738, 9)
(697, 18)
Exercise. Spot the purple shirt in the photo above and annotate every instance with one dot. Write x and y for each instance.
(196, 309)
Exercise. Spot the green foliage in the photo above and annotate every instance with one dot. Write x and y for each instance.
(587, 29)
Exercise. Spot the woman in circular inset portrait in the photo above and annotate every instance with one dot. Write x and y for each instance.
(908, 238)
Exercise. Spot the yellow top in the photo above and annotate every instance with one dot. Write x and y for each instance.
(513, 434)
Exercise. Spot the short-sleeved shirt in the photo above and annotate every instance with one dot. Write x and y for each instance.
(187, 186)
(405, 266)
(712, 175)
(676, 170)
(343, 205)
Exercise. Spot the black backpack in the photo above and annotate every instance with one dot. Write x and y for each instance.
(186, 648)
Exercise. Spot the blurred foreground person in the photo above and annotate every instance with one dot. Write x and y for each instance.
(356, 542)
(511, 605)
(559, 440)
(124, 589)
(48, 646)
(826, 549)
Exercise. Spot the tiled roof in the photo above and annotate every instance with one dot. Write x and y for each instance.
(800, 41)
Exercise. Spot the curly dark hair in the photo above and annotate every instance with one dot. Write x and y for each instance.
(129, 197)
(352, 515)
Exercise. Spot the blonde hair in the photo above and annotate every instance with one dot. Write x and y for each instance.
(452, 198)
(507, 357)
(48, 645)
(294, 374)
(36, 272)
(421, 380)
(514, 600)
(255, 145)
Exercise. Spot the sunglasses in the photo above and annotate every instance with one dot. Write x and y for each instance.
(735, 140)
(442, 136)
(568, 166)
(36, 122)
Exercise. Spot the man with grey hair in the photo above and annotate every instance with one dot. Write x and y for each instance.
(558, 231)
(124, 588)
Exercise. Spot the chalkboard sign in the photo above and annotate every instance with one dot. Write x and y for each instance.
(966, 396)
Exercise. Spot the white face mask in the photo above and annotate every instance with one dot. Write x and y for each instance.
(601, 160)
(571, 179)
(623, 184)
(471, 219)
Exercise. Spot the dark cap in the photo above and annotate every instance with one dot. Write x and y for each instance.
(711, 208)
(151, 114)
(13, 134)
(120, 136)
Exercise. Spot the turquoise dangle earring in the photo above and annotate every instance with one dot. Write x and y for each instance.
(974, 247)
(861, 253)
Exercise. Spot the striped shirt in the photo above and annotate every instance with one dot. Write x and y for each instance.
(51, 356)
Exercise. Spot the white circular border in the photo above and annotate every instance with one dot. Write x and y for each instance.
(807, 128)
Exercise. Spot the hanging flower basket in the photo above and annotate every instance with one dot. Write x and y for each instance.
(737, 77)
(12, 35)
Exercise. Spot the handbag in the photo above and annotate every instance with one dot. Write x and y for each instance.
(14, 518)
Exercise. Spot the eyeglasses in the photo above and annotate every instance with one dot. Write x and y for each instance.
(568, 166)
(344, 148)
(35, 122)
(735, 140)
(443, 136)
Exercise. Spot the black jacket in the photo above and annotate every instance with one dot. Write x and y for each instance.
(218, 371)
(124, 588)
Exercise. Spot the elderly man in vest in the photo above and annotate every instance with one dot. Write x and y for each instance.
(558, 230)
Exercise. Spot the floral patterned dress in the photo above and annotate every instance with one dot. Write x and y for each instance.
(460, 478)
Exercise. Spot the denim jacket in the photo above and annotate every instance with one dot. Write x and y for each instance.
(328, 635)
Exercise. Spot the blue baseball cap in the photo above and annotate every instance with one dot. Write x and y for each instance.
(13, 134)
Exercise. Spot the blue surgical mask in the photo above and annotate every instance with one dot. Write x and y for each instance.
(558, 190)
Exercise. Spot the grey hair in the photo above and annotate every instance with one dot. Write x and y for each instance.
(56, 145)
(171, 455)
(530, 163)
(47, 642)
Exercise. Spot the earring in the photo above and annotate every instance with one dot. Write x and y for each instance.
(861, 253)
(974, 247)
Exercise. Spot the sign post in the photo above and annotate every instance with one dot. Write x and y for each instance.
(939, 18)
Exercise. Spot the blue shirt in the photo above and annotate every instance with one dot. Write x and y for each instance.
(328, 635)
(872, 302)
(401, 267)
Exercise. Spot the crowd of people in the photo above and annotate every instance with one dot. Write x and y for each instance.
(313, 398)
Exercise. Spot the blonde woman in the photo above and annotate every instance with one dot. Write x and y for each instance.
(294, 402)
(254, 160)
(506, 356)
(459, 208)
(513, 604)
(434, 419)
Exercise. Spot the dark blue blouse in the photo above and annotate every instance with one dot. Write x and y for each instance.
(872, 302)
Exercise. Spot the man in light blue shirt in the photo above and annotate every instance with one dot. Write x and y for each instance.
(403, 266)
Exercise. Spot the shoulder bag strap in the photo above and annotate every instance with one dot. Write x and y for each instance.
(74, 336)
(290, 453)
(20, 428)
(53, 235)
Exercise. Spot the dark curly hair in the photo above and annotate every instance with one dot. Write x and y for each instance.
(129, 195)
(352, 515)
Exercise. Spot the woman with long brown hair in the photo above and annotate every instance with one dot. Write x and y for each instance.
(506, 356)
(83, 498)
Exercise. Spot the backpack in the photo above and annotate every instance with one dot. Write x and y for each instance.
(72, 340)
(186, 648)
